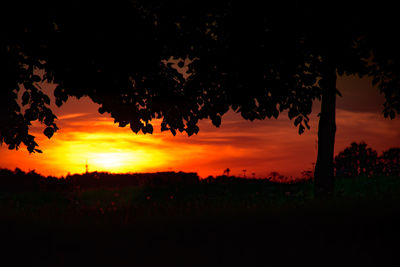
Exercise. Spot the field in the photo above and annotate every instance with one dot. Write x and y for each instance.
(220, 222)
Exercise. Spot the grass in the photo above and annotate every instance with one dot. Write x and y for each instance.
(238, 198)
(231, 223)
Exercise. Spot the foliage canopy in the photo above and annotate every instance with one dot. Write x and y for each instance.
(257, 60)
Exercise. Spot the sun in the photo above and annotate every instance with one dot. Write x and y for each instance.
(108, 160)
(113, 161)
(119, 161)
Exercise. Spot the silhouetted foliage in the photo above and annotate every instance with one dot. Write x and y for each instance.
(356, 160)
(360, 160)
(307, 175)
(110, 180)
(227, 171)
(389, 162)
(20, 181)
(257, 59)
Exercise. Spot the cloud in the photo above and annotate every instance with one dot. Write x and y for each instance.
(373, 128)
(72, 116)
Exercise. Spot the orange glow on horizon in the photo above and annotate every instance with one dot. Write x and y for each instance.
(100, 157)
(258, 147)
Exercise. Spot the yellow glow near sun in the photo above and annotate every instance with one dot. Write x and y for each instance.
(109, 153)
(108, 160)
(117, 161)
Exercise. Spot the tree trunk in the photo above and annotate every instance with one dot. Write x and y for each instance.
(324, 174)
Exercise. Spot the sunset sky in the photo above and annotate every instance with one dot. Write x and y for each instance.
(259, 147)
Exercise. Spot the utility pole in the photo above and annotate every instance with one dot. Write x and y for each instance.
(87, 167)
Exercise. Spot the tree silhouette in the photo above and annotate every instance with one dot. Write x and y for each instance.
(390, 162)
(256, 59)
(356, 160)
(274, 175)
(227, 171)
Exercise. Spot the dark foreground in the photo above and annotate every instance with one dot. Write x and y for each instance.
(208, 224)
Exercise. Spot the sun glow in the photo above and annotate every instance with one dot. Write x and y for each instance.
(115, 157)
(109, 149)
(117, 161)
(108, 160)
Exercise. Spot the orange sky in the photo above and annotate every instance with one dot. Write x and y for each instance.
(259, 147)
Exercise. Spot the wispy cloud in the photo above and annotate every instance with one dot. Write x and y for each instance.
(72, 116)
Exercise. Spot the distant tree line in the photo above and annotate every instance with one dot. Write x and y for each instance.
(356, 160)
(110, 180)
(20, 181)
(360, 160)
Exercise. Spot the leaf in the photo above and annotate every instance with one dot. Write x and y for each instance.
(36, 78)
(275, 113)
(136, 126)
(181, 64)
(298, 120)
(293, 112)
(31, 114)
(392, 114)
(58, 102)
(301, 129)
(164, 127)
(196, 129)
(49, 131)
(148, 129)
(25, 98)
(216, 120)
(46, 99)
(122, 124)
(38, 150)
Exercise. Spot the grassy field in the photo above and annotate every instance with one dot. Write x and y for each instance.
(234, 222)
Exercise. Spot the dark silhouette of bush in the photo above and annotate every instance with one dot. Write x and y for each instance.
(389, 162)
(20, 181)
(356, 160)
(55, 184)
(111, 180)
